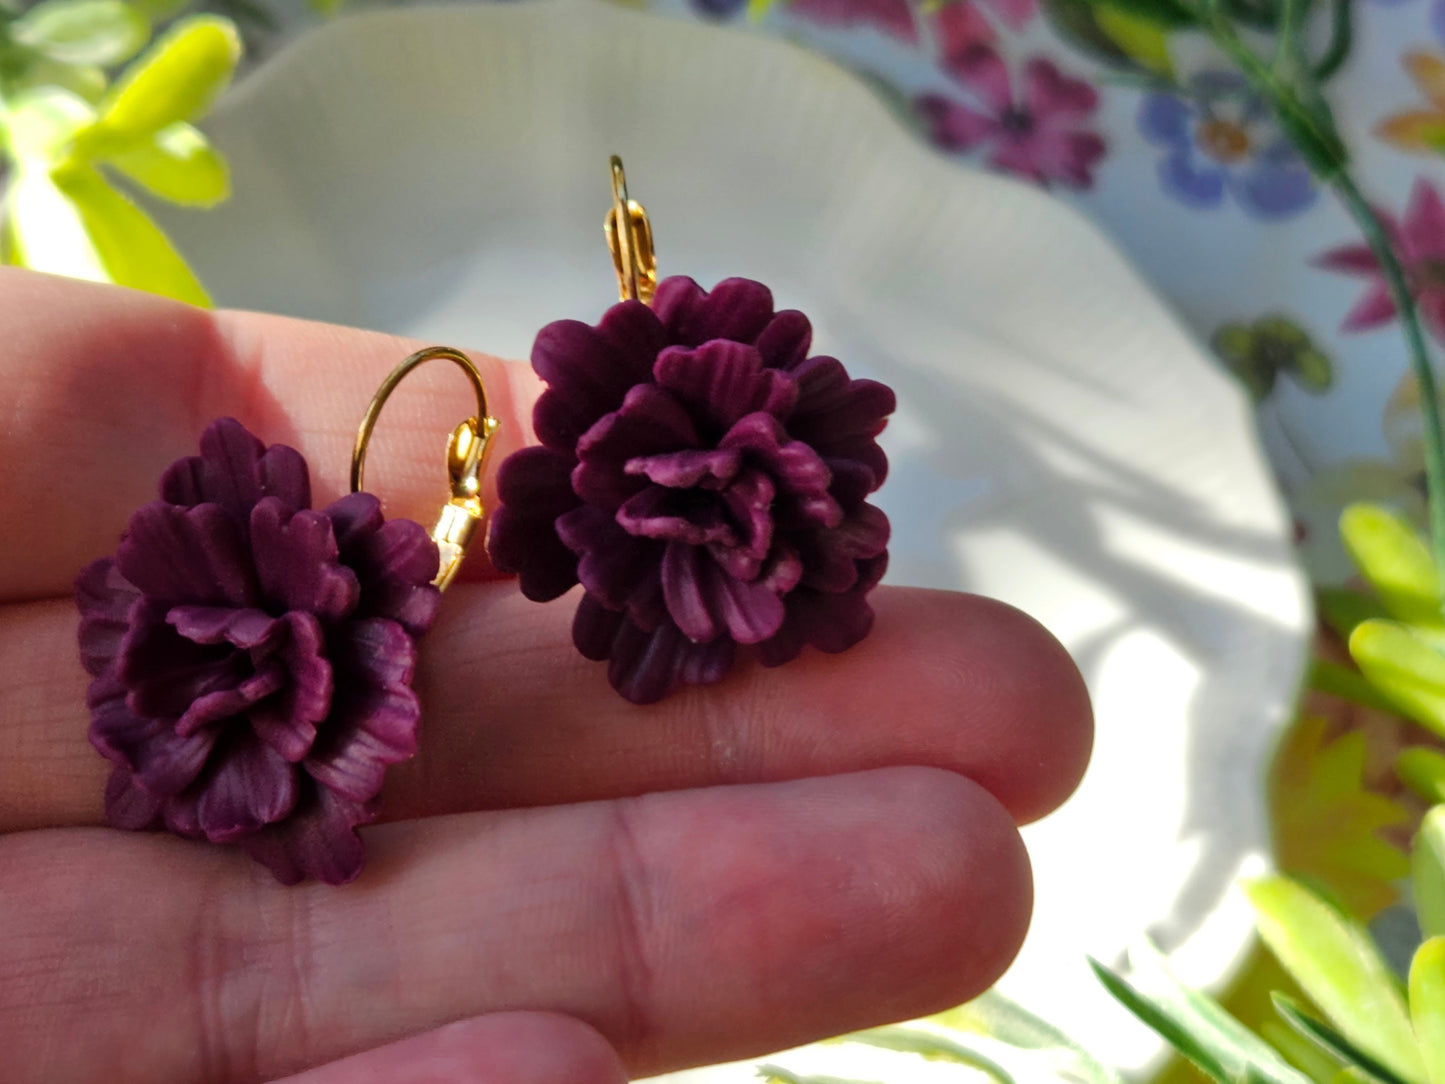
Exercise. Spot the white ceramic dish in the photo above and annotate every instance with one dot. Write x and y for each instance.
(1061, 442)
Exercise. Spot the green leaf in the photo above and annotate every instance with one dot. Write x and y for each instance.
(174, 82)
(1197, 1026)
(1144, 40)
(1347, 683)
(101, 32)
(86, 81)
(1342, 608)
(1010, 1023)
(41, 122)
(1168, 14)
(1427, 1005)
(1395, 561)
(776, 1074)
(1331, 1041)
(131, 247)
(1337, 965)
(933, 1048)
(158, 11)
(1405, 666)
(179, 165)
(1428, 872)
(1423, 771)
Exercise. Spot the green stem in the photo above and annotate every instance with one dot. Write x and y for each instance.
(1380, 244)
(1342, 36)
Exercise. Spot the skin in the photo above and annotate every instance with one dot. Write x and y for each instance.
(565, 887)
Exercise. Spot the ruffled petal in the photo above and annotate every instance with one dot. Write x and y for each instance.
(736, 309)
(235, 470)
(841, 417)
(288, 722)
(784, 343)
(831, 558)
(673, 514)
(252, 786)
(247, 628)
(164, 762)
(296, 561)
(165, 673)
(104, 598)
(711, 468)
(646, 666)
(187, 555)
(706, 602)
(589, 370)
(318, 840)
(796, 468)
(650, 421)
(394, 561)
(534, 487)
(618, 568)
(375, 717)
(722, 381)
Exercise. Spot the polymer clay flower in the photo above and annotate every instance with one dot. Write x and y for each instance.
(704, 479)
(1273, 346)
(1419, 243)
(1221, 138)
(1039, 133)
(251, 659)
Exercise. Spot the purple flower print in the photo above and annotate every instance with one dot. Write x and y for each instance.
(1221, 139)
(1040, 134)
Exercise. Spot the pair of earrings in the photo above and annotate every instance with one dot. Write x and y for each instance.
(700, 475)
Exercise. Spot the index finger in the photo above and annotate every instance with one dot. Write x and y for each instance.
(108, 387)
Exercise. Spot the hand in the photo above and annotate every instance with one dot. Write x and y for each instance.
(568, 888)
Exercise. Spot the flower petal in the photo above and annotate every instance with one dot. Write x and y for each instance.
(832, 559)
(252, 786)
(394, 561)
(296, 561)
(104, 598)
(589, 370)
(1375, 308)
(722, 381)
(1050, 94)
(711, 468)
(1414, 131)
(620, 569)
(1424, 228)
(1428, 71)
(594, 627)
(784, 343)
(892, 17)
(1274, 190)
(187, 555)
(374, 720)
(646, 666)
(736, 309)
(235, 470)
(318, 840)
(534, 487)
(288, 722)
(165, 673)
(650, 421)
(672, 514)
(1167, 119)
(213, 707)
(246, 628)
(1198, 186)
(954, 127)
(706, 602)
(841, 417)
(796, 468)
(984, 72)
(1350, 259)
(162, 760)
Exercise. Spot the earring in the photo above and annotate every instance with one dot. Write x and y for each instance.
(251, 659)
(699, 474)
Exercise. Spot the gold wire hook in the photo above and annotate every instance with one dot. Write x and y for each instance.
(629, 239)
(467, 449)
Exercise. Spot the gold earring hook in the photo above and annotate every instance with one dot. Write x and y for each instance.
(467, 449)
(629, 239)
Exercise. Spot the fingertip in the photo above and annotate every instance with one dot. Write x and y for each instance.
(1003, 690)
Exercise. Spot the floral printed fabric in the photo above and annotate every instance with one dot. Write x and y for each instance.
(1150, 132)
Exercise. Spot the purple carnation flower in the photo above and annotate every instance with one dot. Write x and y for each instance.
(704, 479)
(252, 658)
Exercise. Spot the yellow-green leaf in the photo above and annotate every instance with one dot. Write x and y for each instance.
(131, 247)
(46, 231)
(178, 165)
(175, 81)
(1141, 39)
(102, 32)
(1395, 560)
(1405, 666)
(1427, 1005)
(1335, 961)
(1427, 859)
(1422, 770)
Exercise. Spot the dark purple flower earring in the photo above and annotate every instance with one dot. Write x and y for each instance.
(252, 658)
(699, 474)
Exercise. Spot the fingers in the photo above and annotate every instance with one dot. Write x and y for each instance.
(512, 716)
(500, 1048)
(685, 927)
(108, 387)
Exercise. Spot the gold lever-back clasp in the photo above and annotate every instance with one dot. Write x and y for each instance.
(467, 450)
(629, 238)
